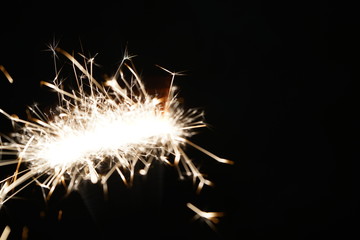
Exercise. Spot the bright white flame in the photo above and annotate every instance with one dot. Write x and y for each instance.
(105, 134)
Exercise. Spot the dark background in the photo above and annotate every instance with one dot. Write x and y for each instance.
(278, 82)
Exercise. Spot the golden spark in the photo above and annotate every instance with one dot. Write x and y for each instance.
(210, 218)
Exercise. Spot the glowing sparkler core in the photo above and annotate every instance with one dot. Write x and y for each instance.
(90, 135)
(105, 134)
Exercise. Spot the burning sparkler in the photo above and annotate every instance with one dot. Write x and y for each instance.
(99, 129)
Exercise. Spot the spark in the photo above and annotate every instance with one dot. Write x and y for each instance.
(7, 75)
(100, 129)
(5, 233)
(211, 218)
(25, 233)
(60, 214)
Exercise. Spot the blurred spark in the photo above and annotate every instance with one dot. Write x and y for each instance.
(60, 214)
(7, 75)
(5, 233)
(211, 218)
(25, 233)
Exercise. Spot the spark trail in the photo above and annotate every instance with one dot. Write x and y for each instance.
(97, 130)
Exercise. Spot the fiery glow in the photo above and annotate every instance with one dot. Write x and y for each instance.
(99, 129)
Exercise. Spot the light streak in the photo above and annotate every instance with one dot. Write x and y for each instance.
(5, 233)
(7, 75)
(99, 129)
(210, 218)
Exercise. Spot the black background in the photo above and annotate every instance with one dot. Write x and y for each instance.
(278, 82)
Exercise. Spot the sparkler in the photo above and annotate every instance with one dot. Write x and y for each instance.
(100, 129)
